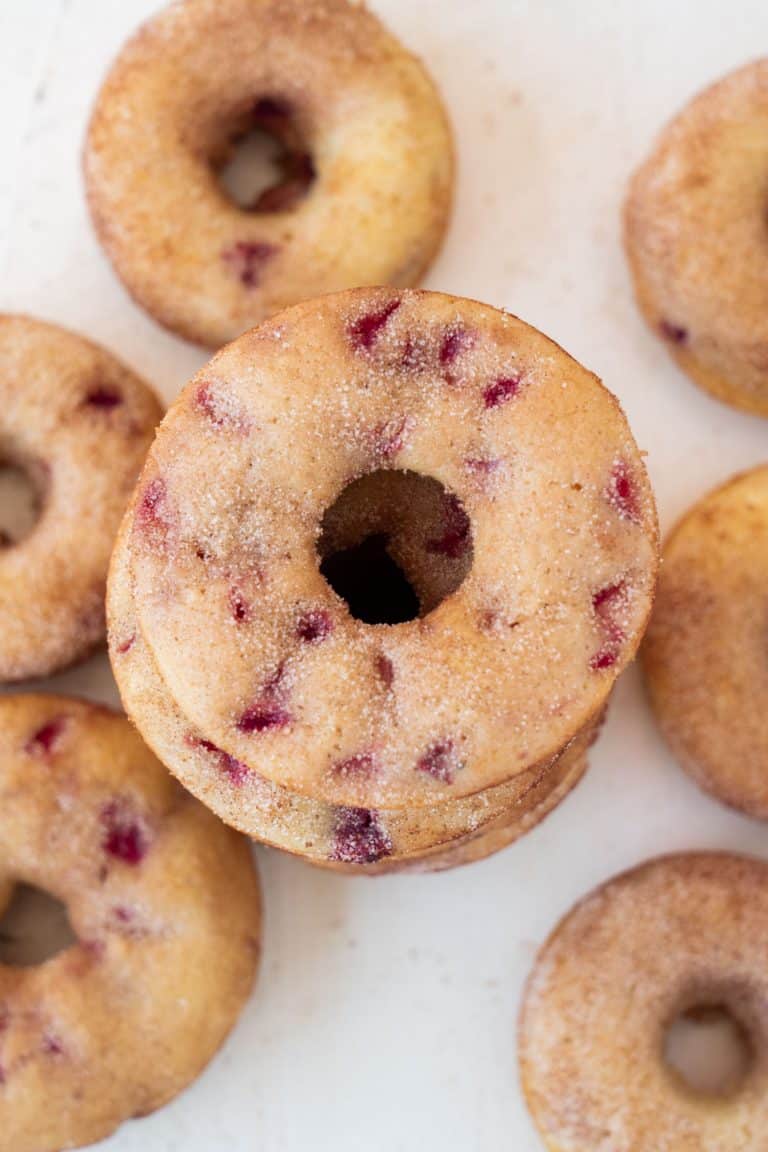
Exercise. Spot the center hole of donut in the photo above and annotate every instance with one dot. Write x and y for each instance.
(34, 928)
(709, 1049)
(20, 504)
(395, 545)
(265, 167)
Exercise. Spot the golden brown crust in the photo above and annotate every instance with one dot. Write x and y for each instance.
(164, 900)
(696, 238)
(366, 109)
(704, 655)
(79, 423)
(675, 933)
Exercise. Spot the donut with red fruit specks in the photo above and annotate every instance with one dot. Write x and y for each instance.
(343, 838)
(695, 229)
(77, 423)
(704, 656)
(369, 162)
(266, 662)
(164, 901)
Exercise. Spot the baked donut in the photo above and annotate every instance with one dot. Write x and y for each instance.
(78, 423)
(695, 227)
(164, 901)
(368, 192)
(704, 655)
(346, 839)
(375, 718)
(676, 934)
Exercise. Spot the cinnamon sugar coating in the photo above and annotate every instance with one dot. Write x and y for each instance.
(371, 151)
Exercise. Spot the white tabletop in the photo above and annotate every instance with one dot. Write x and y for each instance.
(385, 1015)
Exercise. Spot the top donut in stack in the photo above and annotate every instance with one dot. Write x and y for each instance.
(503, 480)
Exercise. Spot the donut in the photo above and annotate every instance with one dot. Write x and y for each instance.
(704, 655)
(696, 238)
(78, 424)
(368, 190)
(677, 934)
(345, 839)
(485, 688)
(164, 902)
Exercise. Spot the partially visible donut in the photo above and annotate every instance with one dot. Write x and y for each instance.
(697, 240)
(78, 423)
(164, 901)
(362, 120)
(676, 934)
(704, 656)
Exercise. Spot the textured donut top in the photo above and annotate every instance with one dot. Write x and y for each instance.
(325, 71)
(540, 469)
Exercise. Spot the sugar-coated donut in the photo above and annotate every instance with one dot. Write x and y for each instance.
(357, 111)
(343, 838)
(78, 423)
(678, 933)
(697, 241)
(542, 480)
(705, 652)
(164, 901)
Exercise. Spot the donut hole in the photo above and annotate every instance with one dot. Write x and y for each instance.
(708, 1048)
(395, 545)
(21, 502)
(34, 928)
(265, 166)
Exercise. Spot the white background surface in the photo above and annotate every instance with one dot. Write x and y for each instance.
(385, 1015)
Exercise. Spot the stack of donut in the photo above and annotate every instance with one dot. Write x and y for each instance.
(500, 477)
